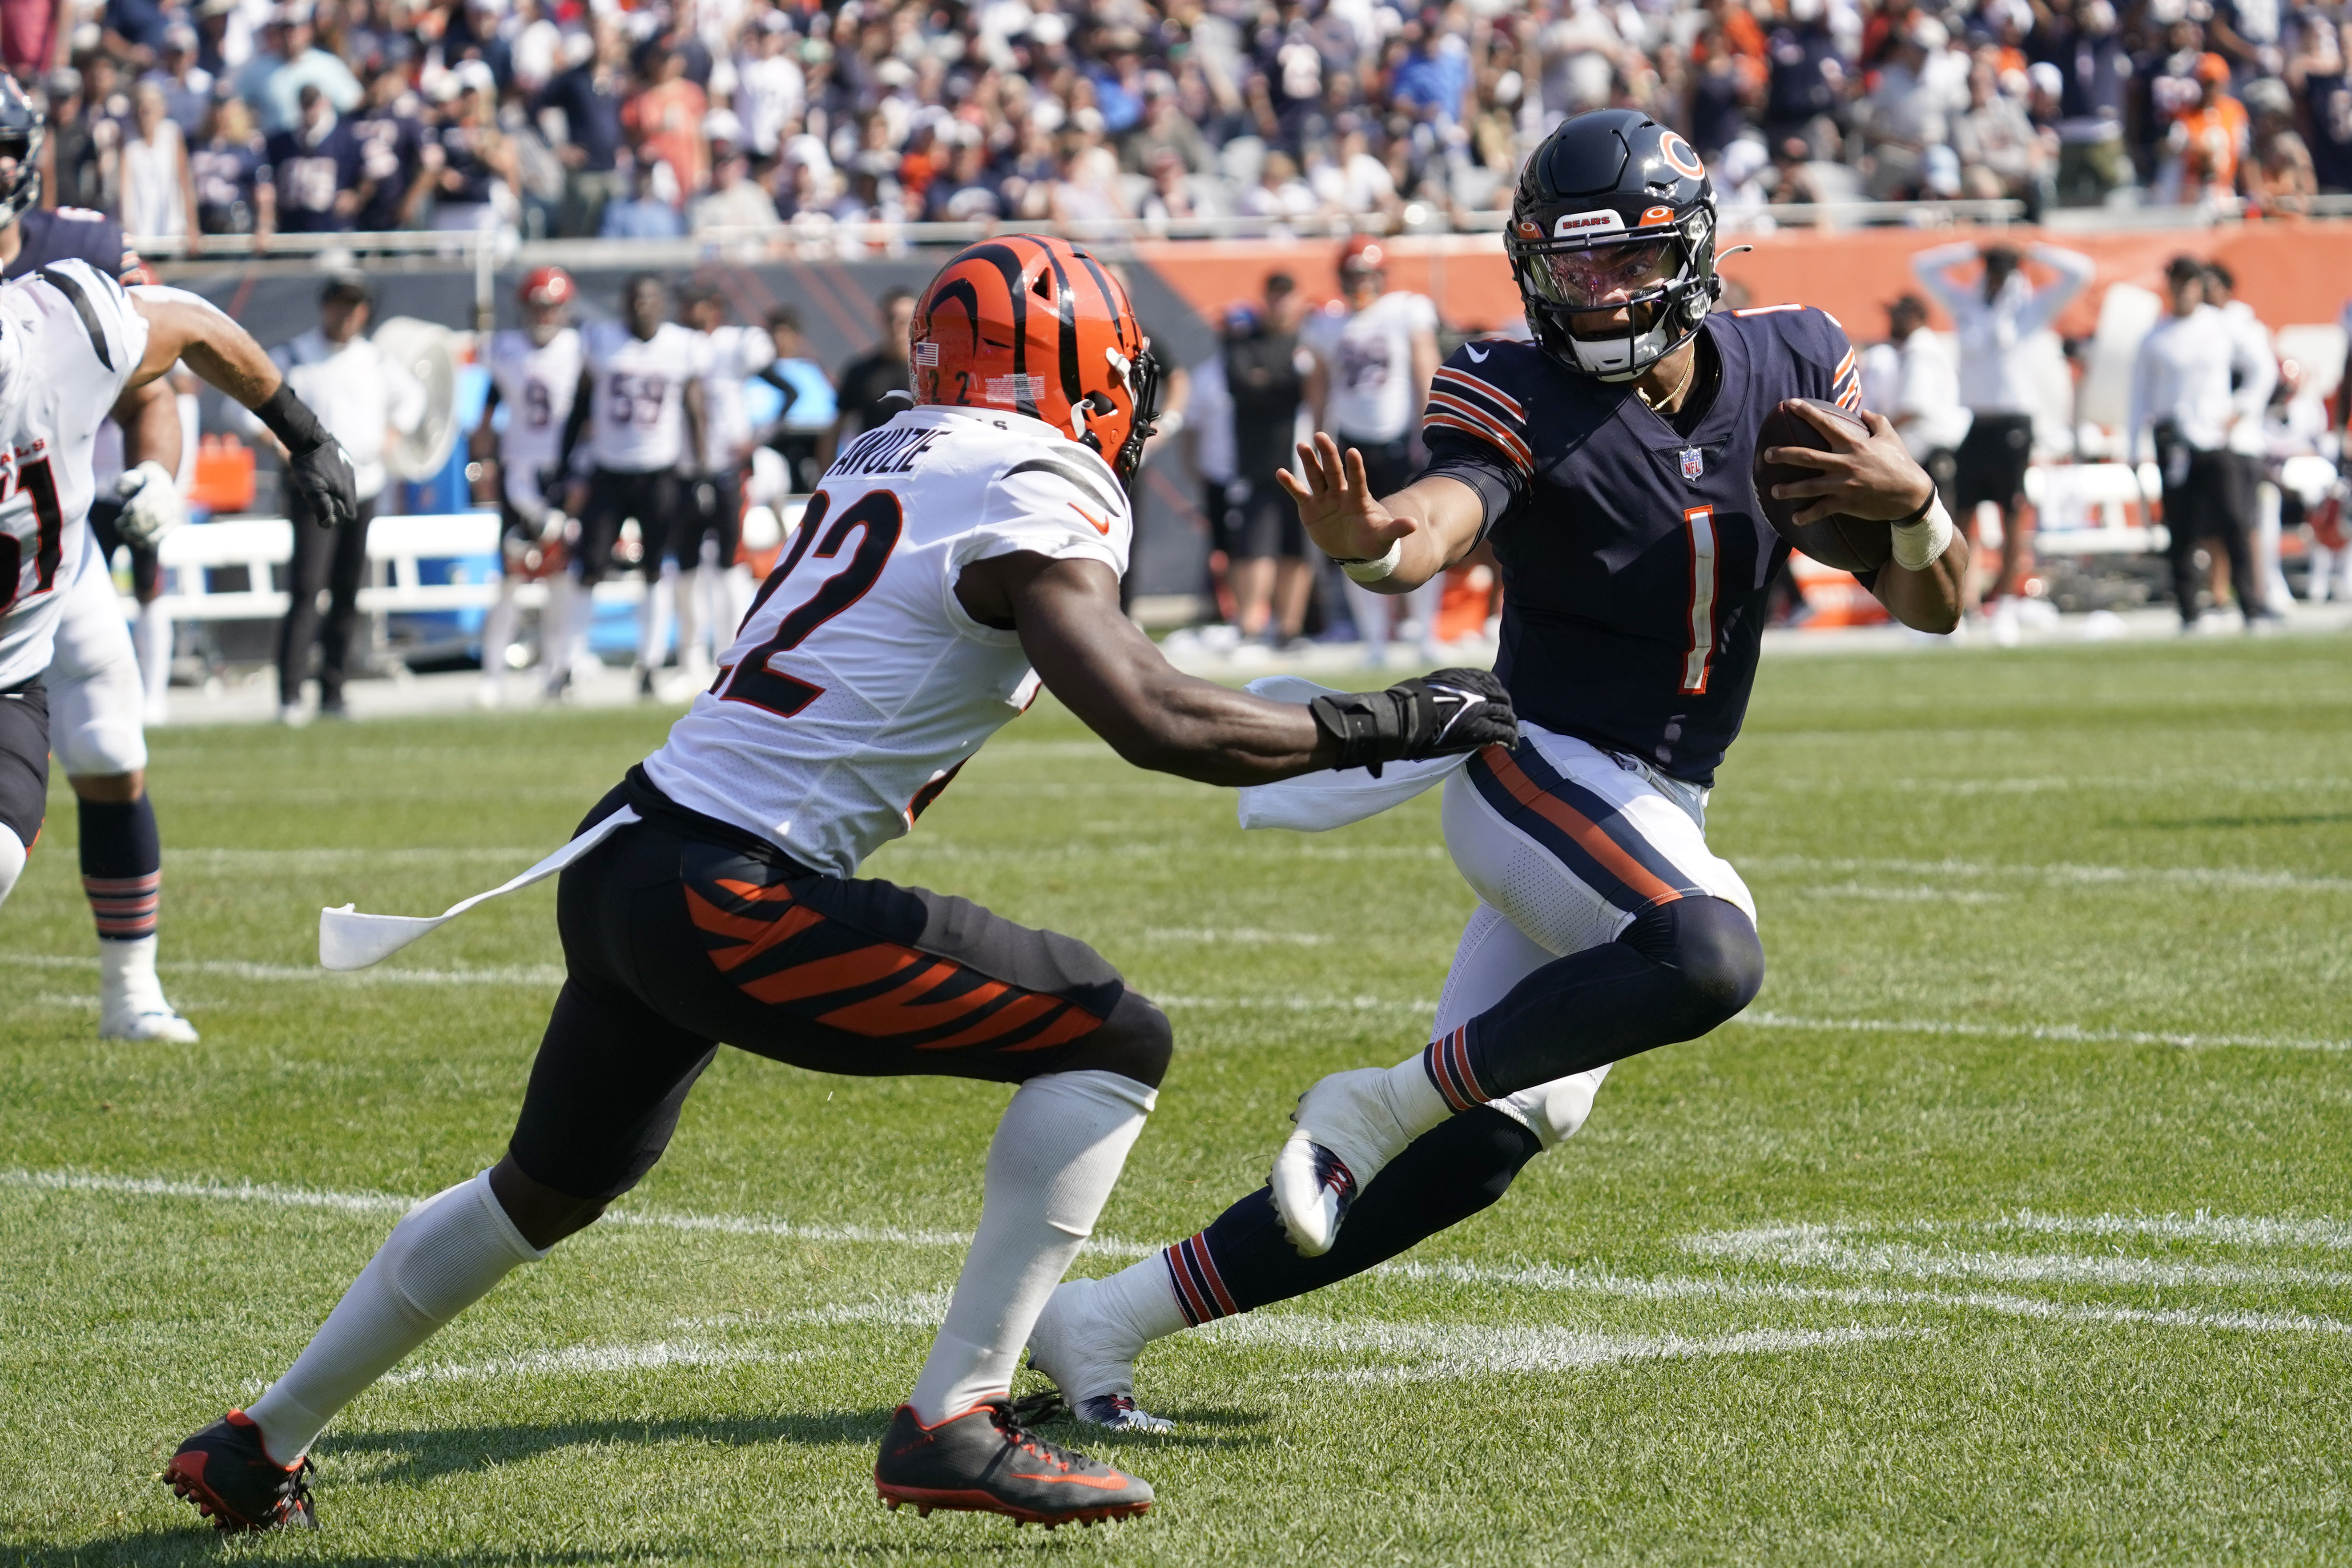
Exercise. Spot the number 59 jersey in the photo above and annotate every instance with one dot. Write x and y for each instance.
(69, 341)
(858, 685)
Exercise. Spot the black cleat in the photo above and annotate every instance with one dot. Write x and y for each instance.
(231, 1478)
(985, 1461)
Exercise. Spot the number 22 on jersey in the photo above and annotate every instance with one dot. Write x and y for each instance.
(31, 492)
(875, 519)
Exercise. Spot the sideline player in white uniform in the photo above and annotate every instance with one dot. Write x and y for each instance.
(1375, 354)
(75, 345)
(971, 537)
(535, 374)
(713, 590)
(640, 398)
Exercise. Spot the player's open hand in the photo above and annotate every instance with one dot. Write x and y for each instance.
(1336, 503)
(1874, 477)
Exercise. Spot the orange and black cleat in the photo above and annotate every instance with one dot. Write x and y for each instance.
(985, 1461)
(231, 1478)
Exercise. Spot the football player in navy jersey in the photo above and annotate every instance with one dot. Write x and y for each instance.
(1607, 462)
(97, 696)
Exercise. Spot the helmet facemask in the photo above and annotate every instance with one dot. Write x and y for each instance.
(1662, 279)
(1143, 377)
(20, 170)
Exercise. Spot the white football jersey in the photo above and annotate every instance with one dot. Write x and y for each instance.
(69, 341)
(858, 685)
(1368, 354)
(536, 382)
(638, 423)
(736, 352)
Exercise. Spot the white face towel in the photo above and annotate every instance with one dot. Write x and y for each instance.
(349, 940)
(1317, 803)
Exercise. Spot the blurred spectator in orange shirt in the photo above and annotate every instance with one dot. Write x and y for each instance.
(2207, 142)
(665, 121)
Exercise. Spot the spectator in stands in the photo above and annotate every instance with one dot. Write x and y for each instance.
(734, 200)
(366, 399)
(75, 175)
(663, 120)
(316, 167)
(395, 172)
(2182, 406)
(966, 193)
(288, 61)
(1806, 77)
(1908, 112)
(2079, 38)
(873, 387)
(159, 197)
(769, 89)
(649, 210)
(2316, 78)
(230, 168)
(1998, 318)
(2207, 142)
(589, 96)
(1999, 153)
(480, 185)
(187, 85)
(2279, 175)
(1279, 194)
(34, 37)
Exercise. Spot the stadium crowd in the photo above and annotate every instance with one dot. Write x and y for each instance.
(554, 118)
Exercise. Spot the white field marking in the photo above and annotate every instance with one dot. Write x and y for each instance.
(366, 1202)
(2069, 875)
(327, 859)
(1581, 1282)
(1247, 935)
(1423, 1351)
(1820, 1247)
(1297, 1003)
(2201, 1227)
(234, 968)
(2066, 1033)
(592, 1359)
(1914, 895)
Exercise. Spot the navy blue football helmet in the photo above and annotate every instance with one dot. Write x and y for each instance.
(22, 126)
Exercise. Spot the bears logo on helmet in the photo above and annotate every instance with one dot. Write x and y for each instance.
(1037, 326)
(1614, 216)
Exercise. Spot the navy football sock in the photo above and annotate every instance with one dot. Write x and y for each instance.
(1243, 1260)
(1679, 970)
(121, 867)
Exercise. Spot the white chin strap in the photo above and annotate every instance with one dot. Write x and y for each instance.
(1612, 359)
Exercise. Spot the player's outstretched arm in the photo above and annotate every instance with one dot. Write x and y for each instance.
(1876, 478)
(1094, 659)
(1429, 523)
(187, 327)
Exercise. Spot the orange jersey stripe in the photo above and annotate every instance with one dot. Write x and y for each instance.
(1484, 389)
(1576, 825)
(1499, 432)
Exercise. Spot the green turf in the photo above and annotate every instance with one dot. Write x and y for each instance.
(1950, 854)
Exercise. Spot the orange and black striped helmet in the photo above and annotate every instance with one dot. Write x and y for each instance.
(1037, 326)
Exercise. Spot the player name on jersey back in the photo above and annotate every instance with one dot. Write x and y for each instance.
(858, 684)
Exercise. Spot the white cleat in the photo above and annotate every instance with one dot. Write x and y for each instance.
(160, 1025)
(1345, 1134)
(1091, 1359)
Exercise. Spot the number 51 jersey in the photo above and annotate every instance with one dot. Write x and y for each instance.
(858, 685)
(69, 341)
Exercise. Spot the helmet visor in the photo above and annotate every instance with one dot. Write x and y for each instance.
(1603, 276)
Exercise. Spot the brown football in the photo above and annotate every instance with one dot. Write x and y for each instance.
(1848, 543)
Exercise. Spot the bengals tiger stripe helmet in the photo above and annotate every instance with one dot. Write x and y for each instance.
(1039, 327)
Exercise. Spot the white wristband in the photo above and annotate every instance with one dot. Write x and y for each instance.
(1919, 545)
(1374, 569)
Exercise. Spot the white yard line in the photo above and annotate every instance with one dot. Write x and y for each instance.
(237, 969)
(2064, 874)
(1250, 936)
(1420, 1351)
(593, 1359)
(1816, 1247)
(323, 858)
(2063, 1033)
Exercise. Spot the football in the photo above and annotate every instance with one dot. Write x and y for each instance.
(1849, 543)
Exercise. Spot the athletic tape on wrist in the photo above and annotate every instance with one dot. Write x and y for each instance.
(1378, 567)
(1919, 545)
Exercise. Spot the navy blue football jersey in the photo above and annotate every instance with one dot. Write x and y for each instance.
(75, 234)
(1635, 561)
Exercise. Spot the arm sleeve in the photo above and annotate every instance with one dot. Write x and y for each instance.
(1062, 506)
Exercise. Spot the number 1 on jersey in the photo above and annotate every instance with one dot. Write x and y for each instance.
(878, 518)
(1699, 523)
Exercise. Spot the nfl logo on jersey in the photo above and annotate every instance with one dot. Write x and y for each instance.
(1694, 463)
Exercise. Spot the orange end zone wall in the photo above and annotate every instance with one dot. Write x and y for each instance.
(2290, 272)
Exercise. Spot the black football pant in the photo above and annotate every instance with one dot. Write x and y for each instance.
(329, 559)
(659, 502)
(2202, 501)
(25, 758)
(682, 933)
(718, 513)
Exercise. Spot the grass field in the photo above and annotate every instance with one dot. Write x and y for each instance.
(2011, 1224)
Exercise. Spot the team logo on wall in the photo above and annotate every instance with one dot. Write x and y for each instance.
(1694, 463)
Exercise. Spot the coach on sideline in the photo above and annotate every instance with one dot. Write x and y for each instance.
(366, 400)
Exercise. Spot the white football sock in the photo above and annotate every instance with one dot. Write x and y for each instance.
(440, 1259)
(126, 985)
(12, 861)
(653, 619)
(1050, 1167)
(498, 633)
(691, 623)
(153, 645)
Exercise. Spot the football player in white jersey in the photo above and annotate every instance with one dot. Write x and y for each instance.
(951, 558)
(640, 398)
(535, 374)
(711, 593)
(74, 347)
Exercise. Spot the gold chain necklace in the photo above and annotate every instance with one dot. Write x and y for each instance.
(1654, 404)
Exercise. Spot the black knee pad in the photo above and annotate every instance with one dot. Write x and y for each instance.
(1135, 1041)
(1712, 946)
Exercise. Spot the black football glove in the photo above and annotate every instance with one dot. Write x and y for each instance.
(1434, 715)
(322, 477)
